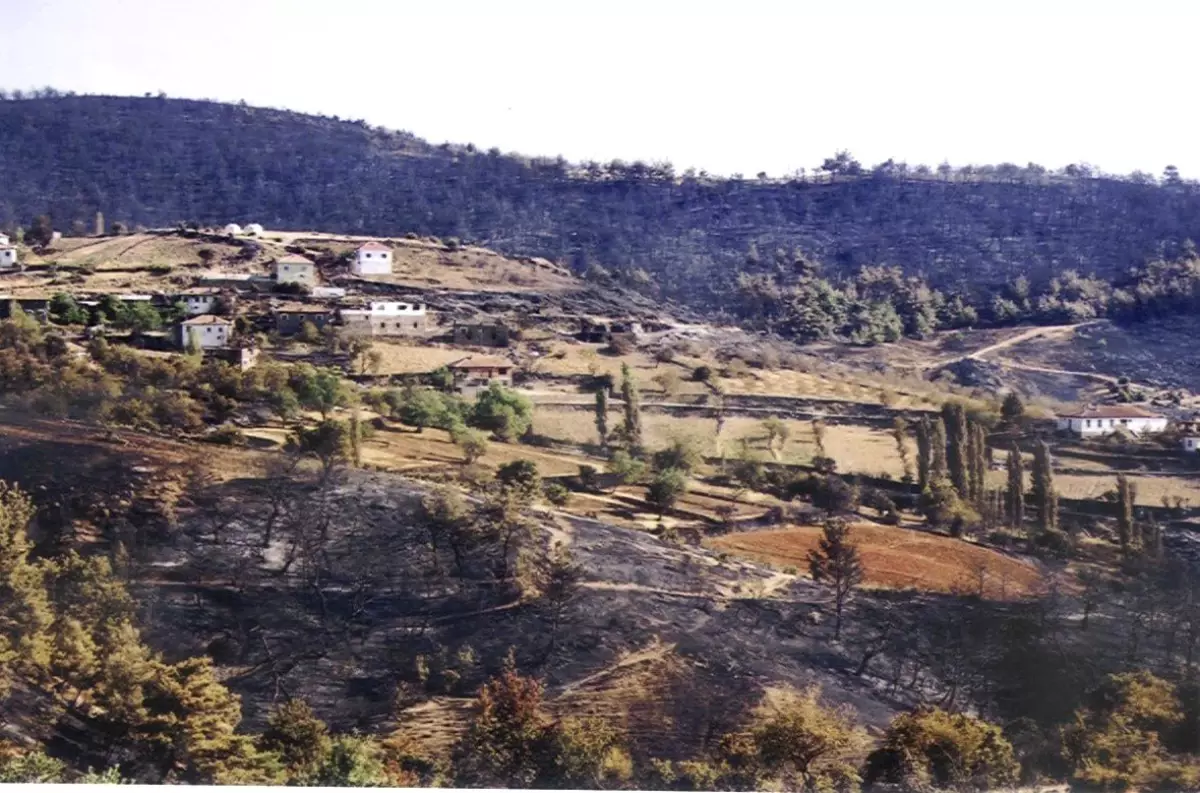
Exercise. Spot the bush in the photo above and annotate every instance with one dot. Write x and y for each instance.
(930, 747)
(505, 413)
(557, 493)
(227, 435)
(702, 374)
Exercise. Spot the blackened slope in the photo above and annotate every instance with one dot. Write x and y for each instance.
(160, 161)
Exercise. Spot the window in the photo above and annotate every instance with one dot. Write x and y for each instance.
(1087, 423)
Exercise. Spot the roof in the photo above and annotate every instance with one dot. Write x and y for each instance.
(198, 291)
(372, 246)
(292, 258)
(1112, 412)
(302, 308)
(208, 319)
(482, 362)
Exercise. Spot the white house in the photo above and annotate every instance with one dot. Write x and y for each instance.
(328, 291)
(8, 258)
(233, 229)
(386, 318)
(372, 258)
(1107, 419)
(294, 269)
(253, 230)
(4, 242)
(199, 301)
(476, 373)
(207, 331)
(1191, 444)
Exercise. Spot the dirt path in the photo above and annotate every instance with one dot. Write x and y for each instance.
(1011, 341)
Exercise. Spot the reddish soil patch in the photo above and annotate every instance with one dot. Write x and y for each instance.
(896, 558)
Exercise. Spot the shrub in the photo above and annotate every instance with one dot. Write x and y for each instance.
(227, 435)
(557, 493)
(505, 413)
(930, 747)
(702, 374)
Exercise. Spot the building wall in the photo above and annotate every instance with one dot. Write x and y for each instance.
(208, 335)
(195, 305)
(372, 263)
(483, 335)
(1095, 427)
(8, 257)
(1191, 445)
(295, 274)
(288, 323)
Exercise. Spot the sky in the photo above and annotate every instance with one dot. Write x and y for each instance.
(739, 86)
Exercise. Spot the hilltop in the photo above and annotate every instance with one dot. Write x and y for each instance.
(159, 161)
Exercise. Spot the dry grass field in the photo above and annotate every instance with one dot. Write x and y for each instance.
(399, 357)
(856, 449)
(896, 558)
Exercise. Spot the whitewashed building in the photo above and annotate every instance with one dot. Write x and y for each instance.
(386, 318)
(207, 331)
(372, 258)
(253, 230)
(233, 229)
(326, 292)
(199, 301)
(1191, 444)
(8, 258)
(1106, 419)
(294, 269)
(4, 241)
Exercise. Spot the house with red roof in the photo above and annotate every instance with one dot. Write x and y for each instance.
(1097, 420)
(372, 258)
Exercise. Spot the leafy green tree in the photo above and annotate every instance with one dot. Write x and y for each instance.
(900, 436)
(943, 507)
(320, 389)
(836, 563)
(328, 442)
(473, 443)
(63, 310)
(520, 479)
(665, 488)
(777, 432)
(627, 468)
(31, 768)
(948, 751)
(682, 454)
(954, 417)
(1116, 739)
(506, 742)
(807, 745)
(503, 412)
(355, 761)
(422, 408)
(1012, 410)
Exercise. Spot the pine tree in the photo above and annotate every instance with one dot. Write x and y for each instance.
(633, 409)
(836, 562)
(1014, 493)
(25, 613)
(602, 416)
(299, 738)
(1012, 411)
(1045, 498)
(1126, 494)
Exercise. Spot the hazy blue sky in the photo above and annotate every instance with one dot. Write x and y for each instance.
(731, 86)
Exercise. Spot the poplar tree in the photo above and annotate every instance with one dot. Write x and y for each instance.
(633, 409)
(1014, 493)
(978, 460)
(602, 416)
(957, 451)
(924, 452)
(1045, 498)
(900, 435)
(937, 459)
(1126, 494)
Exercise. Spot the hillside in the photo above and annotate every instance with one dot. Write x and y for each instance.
(158, 161)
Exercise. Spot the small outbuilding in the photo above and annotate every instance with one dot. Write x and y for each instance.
(290, 318)
(253, 230)
(232, 229)
(1191, 444)
(481, 334)
(8, 258)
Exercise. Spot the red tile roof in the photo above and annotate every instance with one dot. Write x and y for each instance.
(373, 246)
(294, 259)
(1112, 412)
(207, 319)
